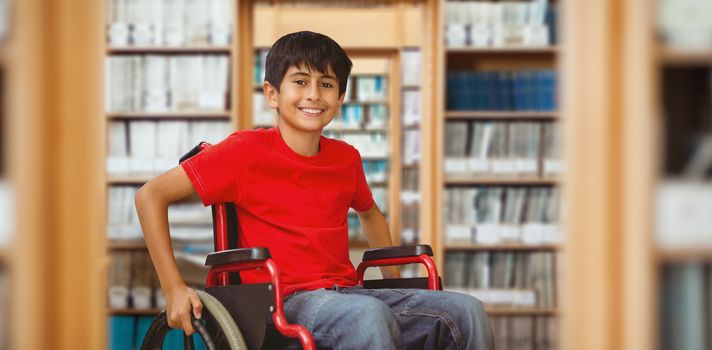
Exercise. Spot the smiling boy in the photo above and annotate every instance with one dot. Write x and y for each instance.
(292, 189)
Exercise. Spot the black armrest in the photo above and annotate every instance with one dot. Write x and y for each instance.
(193, 151)
(236, 256)
(397, 252)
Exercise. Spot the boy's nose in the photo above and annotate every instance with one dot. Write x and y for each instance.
(313, 93)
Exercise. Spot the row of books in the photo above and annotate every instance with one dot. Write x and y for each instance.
(493, 215)
(161, 83)
(370, 145)
(126, 332)
(259, 66)
(503, 279)
(367, 88)
(360, 117)
(132, 280)
(170, 22)
(189, 221)
(149, 146)
(410, 107)
(410, 224)
(485, 23)
(410, 191)
(411, 67)
(524, 332)
(685, 23)
(411, 115)
(121, 209)
(411, 147)
(511, 90)
(685, 299)
(502, 148)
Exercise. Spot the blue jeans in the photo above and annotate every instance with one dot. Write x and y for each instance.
(358, 318)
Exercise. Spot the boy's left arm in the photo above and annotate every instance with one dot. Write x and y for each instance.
(378, 235)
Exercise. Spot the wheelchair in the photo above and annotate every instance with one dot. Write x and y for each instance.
(236, 316)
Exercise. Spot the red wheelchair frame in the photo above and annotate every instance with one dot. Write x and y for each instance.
(226, 260)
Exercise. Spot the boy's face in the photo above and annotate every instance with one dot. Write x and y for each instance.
(307, 100)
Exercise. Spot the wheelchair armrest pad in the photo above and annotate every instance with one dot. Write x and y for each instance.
(397, 252)
(195, 150)
(236, 256)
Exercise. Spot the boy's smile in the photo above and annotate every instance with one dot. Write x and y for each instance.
(307, 99)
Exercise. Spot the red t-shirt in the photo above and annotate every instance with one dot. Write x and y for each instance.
(294, 205)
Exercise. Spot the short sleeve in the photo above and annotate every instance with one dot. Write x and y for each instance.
(216, 171)
(363, 199)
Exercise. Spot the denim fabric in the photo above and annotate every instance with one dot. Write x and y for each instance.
(358, 318)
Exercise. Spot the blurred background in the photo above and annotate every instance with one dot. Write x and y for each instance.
(556, 154)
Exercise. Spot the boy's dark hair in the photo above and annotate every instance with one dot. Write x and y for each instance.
(312, 50)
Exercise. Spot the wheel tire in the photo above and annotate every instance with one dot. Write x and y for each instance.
(219, 326)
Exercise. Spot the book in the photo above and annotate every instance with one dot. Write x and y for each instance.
(162, 83)
(503, 279)
(495, 215)
(488, 24)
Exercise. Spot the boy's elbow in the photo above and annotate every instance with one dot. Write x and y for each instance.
(145, 194)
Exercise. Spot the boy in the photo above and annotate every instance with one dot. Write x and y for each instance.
(292, 189)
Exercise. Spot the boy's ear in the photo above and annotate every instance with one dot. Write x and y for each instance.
(270, 94)
(341, 98)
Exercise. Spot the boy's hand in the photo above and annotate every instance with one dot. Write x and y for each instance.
(179, 303)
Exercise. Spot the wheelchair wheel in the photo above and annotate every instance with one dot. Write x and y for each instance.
(219, 332)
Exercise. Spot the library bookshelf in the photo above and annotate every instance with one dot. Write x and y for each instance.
(219, 110)
(682, 249)
(451, 60)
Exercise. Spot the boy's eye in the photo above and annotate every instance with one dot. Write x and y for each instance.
(327, 85)
(300, 82)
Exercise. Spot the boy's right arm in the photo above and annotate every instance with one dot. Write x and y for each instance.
(152, 201)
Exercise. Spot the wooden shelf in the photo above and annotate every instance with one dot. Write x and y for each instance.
(505, 181)
(507, 115)
(170, 115)
(410, 86)
(504, 50)
(685, 57)
(131, 311)
(169, 50)
(501, 311)
(503, 246)
(128, 179)
(676, 255)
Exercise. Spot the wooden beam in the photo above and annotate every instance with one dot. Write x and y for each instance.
(75, 155)
(607, 87)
